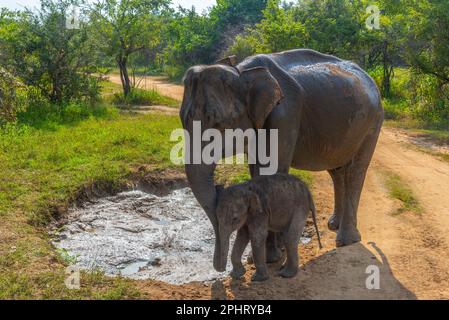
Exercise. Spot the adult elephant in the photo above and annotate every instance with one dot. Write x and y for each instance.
(328, 112)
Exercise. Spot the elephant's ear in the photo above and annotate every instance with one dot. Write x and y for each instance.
(263, 93)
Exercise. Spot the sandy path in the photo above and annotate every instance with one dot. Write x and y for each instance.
(410, 250)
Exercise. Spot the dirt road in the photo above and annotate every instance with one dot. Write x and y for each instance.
(410, 249)
(155, 82)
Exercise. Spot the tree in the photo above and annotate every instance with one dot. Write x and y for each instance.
(430, 29)
(230, 18)
(237, 13)
(428, 55)
(333, 25)
(43, 53)
(277, 31)
(126, 27)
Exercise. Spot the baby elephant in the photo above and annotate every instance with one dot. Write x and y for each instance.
(279, 203)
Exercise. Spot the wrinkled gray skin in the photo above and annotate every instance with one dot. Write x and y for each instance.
(278, 203)
(328, 113)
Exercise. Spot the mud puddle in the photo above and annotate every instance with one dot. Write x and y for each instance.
(142, 236)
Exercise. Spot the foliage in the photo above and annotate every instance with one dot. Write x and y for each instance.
(194, 38)
(190, 42)
(279, 30)
(11, 101)
(126, 27)
(140, 36)
(429, 59)
(44, 54)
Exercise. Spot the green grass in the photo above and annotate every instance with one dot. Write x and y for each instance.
(399, 190)
(236, 174)
(42, 171)
(40, 168)
(109, 88)
(141, 97)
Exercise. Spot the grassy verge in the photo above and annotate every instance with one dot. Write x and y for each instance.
(109, 88)
(399, 190)
(139, 97)
(41, 171)
(438, 136)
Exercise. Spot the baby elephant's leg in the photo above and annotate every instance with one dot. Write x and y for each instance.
(290, 268)
(238, 270)
(258, 239)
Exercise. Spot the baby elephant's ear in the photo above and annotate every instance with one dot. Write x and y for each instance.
(255, 206)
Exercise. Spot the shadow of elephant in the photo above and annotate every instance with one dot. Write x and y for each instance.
(337, 274)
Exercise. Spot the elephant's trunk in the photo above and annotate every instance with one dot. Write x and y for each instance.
(201, 179)
(224, 248)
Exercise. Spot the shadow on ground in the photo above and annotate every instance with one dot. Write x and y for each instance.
(337, 274)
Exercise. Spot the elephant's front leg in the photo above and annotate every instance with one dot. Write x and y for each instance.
(258, 239)
(238, 270)
(285, 145)
(273, 251)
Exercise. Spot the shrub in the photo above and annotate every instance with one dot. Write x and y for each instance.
(11, 98)
(139, 97)
(40, 113)
(431, 99)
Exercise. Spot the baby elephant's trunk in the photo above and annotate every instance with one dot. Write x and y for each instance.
(313, 210)
(222, 256)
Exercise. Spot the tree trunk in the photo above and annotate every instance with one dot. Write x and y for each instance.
(124, 76)
(388, 71)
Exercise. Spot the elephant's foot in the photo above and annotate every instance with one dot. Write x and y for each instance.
(348, 237)
(238, 272)
(288, 272)
(260, 276)
(334, 223)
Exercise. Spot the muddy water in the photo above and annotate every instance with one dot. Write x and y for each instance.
(143, 236)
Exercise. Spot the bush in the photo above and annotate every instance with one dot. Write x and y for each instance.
(244, 46)
(11, 98)
(431, 98)
(40, 113)
(396, 109)
(174, 72)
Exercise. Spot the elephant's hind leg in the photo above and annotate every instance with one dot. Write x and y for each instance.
(338, 177)
(354, 177)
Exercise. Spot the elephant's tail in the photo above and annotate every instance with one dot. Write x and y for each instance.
(313, 210)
